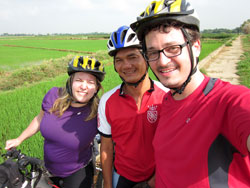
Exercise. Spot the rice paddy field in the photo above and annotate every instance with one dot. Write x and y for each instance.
(16, 53)
(28, 66)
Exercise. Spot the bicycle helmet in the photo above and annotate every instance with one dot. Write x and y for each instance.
(163, 10)
(86, 64)
(122, 38)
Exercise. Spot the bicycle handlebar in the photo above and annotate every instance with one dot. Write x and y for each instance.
(22, 159)
(31, 168)
(13, 153)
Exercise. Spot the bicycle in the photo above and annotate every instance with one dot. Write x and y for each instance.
(98, 178)
(29, 172)
(21, 171)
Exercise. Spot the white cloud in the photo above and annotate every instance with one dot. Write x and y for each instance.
(77, 16)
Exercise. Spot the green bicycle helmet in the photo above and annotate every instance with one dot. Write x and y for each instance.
(164, 10)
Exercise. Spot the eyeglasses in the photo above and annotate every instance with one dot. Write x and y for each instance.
(169, 51)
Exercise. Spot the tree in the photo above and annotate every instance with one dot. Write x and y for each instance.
(245, 27)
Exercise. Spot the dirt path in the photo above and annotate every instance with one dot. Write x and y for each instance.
(222, 63)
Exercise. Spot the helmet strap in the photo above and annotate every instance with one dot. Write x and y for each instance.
(192, 70)
(136, 83)
(69, 85)
(139, 81)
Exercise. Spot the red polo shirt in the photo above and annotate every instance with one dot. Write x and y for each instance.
(131, 129)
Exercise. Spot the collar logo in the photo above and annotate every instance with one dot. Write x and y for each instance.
(152, 114)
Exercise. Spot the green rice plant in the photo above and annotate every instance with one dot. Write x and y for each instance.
(48, 69)
(209, 47)
(75, 45)
(243, 67)
(15, 57)
(217, 36)
(33, 74)
(24, 52)
(229, 43)
(19, 107)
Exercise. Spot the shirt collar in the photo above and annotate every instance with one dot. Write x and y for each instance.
(151, 89)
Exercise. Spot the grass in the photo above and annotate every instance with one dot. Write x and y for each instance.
(217, 36)
(209, 46)
(20, 107)
(48, 69)
(244, 65)
(30, 75)
(79, 45)
(16, 53)
(16, 57)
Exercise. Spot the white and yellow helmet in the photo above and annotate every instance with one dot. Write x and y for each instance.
(164, 10)
(86, 64)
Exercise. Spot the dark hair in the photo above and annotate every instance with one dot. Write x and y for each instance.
(192, 31)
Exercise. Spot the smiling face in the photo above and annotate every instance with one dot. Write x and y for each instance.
(130, 64)
(172, 72)
(84, 86)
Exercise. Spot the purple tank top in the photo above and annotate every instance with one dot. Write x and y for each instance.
(67, 139)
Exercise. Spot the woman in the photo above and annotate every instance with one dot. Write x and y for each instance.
(68, 124)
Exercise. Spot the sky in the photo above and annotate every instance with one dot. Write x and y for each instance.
(85, 16)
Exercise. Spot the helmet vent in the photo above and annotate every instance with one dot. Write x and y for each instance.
(123, 34)
(115, 37)
(131, 37)
(97, 64)
(153, 6)
(110, 43)
(89, 64)
(142, 14)
(80, 61)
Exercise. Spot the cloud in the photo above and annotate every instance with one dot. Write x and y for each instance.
(78, 16)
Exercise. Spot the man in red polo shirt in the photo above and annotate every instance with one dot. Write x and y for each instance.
(128, 115)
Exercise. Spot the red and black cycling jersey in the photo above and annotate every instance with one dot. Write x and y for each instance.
(201, 140)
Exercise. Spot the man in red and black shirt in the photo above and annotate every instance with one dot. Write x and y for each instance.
(202, 138)
(128, 115)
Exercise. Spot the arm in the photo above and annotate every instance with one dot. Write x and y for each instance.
(107, 160)
(32, 129)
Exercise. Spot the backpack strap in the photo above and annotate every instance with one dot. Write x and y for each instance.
(209, 86)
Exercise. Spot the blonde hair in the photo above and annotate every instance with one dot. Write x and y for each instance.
(64, 101)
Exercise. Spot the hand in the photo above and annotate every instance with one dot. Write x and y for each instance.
(143, 184)
(12, 143)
